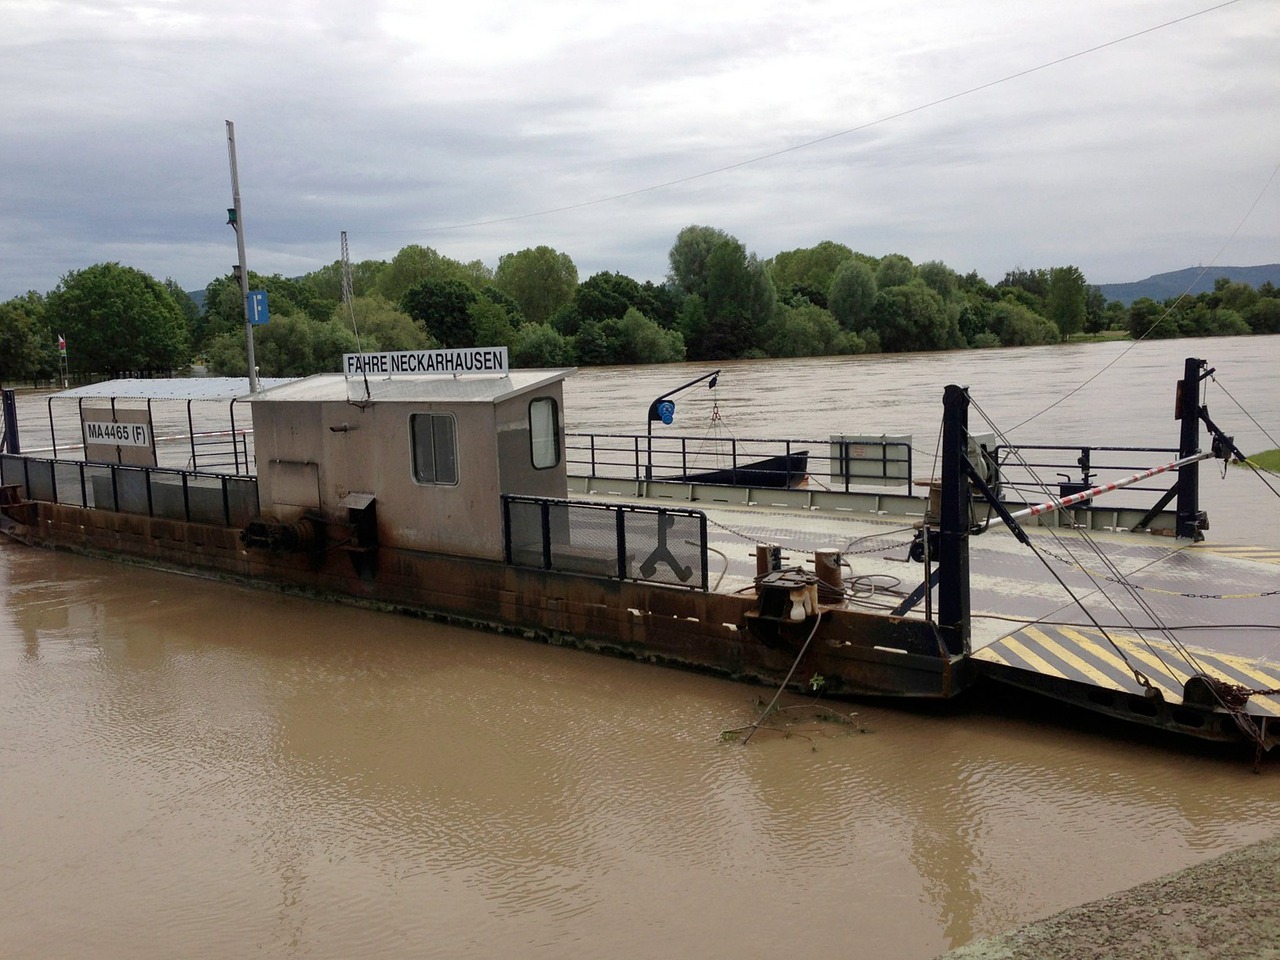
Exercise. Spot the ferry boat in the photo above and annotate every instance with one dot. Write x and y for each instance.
(448, 494)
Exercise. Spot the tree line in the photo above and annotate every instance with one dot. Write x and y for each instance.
(718, 302)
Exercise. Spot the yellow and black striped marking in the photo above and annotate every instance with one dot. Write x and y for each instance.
(1083, 655)
(1260, 554)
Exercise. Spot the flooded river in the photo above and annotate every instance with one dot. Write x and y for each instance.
(196, 769)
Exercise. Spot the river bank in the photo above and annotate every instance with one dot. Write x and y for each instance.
(1224, 909)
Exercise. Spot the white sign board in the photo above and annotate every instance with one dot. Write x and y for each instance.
(438, 362)
(117, 434)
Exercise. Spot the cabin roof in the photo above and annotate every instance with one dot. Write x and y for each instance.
(409, 388)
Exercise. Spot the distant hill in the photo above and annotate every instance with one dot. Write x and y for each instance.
(1164, 285)
(198, 297)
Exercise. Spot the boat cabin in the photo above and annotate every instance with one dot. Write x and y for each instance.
(431, 454)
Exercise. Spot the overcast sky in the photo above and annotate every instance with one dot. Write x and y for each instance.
(460, 125)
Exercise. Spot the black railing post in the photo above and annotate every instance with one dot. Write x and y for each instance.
(506, 529)
(953, 539)
(10, 442)
(702, 549)
(191, 434)
(1188, 411)
(546, 534)
(235, 451)
(620, 526)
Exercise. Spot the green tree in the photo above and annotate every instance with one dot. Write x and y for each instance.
(540, 279)
(808, 271)
(692, 324)
(606, 296)
(292, 345)
(740, 301)
(537, 345)
(327, 281)
(224, 355)
(26, 345)
(643, 341)
(939, 278)
(442, 307)
(382, 325)
(660, 303)
(895, 270)
(1239, 297)
(1095, 310)
(974, 320)
(1017, 325)
(1148, 320)
(117, 319)
(1200, 319)
(416, 263)
(494, 323)
(852, 294)
(808, 330)
(689, 256)
(1034, 283)
(1066, 300)
(913, 317)
(1264, 316)
(190, 310)
(594, 345)
(1115, 316)
(224, 303)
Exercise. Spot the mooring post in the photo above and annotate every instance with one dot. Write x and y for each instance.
(953, 532)
(1188, 522)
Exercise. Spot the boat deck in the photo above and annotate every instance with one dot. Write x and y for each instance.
(1219, 603)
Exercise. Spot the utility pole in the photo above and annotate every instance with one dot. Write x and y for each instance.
(236, 220)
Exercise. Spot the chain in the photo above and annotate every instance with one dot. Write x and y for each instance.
(755, 538)
(1168, 593)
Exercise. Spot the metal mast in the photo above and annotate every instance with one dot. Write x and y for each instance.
(346, 274)
(349, 300)
(236, 220)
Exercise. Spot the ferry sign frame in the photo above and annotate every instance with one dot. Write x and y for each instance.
(441, 363)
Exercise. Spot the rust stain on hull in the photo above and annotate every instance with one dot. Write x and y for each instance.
(855, 653)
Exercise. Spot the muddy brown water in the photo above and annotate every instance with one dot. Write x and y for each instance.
(197, 769)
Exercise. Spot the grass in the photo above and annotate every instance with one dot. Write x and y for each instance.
(1267, 460)
(1104, 336)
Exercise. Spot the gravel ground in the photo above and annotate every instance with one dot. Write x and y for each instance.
(1225, 909)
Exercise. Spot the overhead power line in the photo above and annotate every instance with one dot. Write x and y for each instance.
(840, 133)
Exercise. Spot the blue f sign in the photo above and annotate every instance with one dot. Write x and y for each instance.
(258, 307)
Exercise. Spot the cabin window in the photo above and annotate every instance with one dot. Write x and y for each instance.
(435, 448)
(544, 432)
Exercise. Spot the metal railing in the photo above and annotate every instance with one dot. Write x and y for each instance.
(835, 463)
(1029, 471)
(160, 492)
(666, 545)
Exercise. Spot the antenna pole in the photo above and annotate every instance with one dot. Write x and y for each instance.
(236, 219)
(349, 300)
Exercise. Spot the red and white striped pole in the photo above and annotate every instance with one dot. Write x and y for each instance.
(1057, 503)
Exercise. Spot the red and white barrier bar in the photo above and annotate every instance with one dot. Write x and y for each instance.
(1057, 503)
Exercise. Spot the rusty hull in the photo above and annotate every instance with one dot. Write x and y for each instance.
(855, 653)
